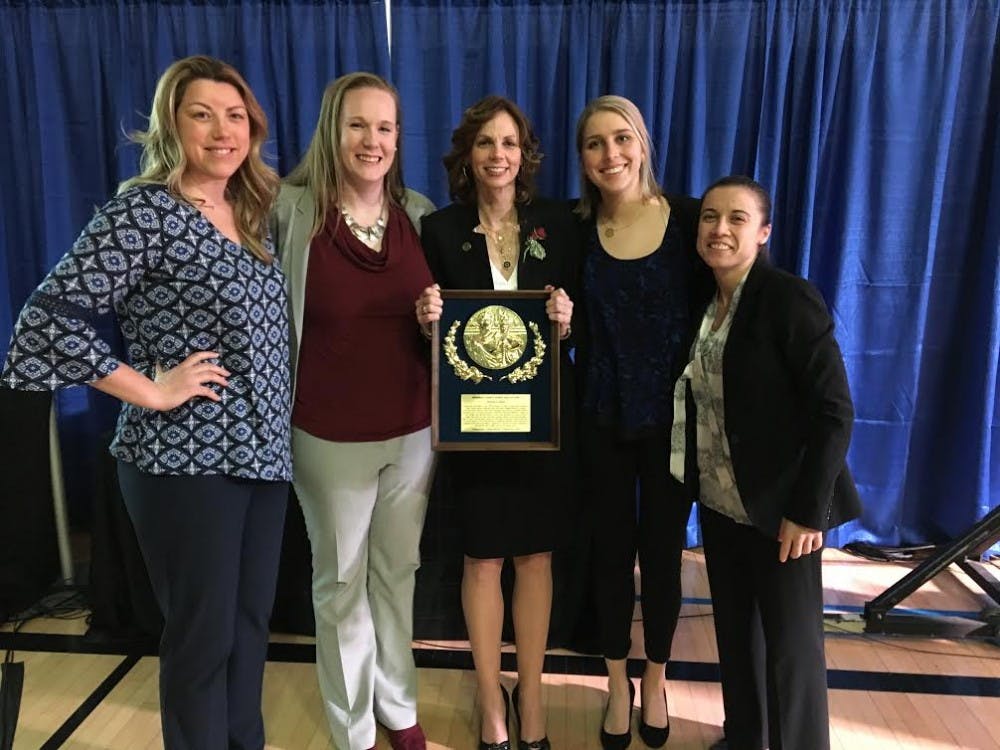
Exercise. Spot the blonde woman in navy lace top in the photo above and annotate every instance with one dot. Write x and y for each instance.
(641, 276)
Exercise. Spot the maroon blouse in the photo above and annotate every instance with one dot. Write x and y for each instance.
(364, 369)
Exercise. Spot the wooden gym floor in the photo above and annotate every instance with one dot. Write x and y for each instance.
(886, 691)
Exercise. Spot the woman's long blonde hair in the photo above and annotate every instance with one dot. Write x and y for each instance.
(590, 196)
(322, 169)
(253, 187)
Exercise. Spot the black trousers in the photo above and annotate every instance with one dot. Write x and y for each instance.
(752, 593)
(212, 546)
(652, 523)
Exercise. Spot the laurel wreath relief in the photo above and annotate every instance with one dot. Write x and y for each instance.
(530, 368)
(465, 371)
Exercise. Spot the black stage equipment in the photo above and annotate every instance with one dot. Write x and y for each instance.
(11, 686)
(965, 552)
(29, 551)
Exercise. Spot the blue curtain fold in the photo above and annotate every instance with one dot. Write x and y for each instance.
(874, 125)
(76, 76)
(447, 55)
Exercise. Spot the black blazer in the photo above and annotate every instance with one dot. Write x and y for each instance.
(444, 233)
(788, 408)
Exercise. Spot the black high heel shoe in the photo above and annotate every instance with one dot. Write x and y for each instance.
(523, 744)
(653, 736)
(503, 744)
(618, 741)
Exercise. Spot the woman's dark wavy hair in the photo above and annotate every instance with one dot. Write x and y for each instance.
(461, 184)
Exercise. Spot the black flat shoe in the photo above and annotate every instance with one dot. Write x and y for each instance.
(503, 744)
(523, 744)
(618, 741)
(653, 736)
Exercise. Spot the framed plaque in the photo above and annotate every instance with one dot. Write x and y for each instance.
(495, 372)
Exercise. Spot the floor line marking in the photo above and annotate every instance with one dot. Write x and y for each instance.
(92, 701)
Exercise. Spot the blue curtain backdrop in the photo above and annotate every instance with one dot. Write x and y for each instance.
(874, 125)
(75, 76)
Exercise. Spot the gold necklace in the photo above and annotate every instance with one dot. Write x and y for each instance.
(610, 229)
(504, 238)
(203, 203)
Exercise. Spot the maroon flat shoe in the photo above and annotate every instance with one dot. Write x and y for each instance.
(411, 738)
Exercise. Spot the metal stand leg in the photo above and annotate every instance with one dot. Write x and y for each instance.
(975, 541)
(59, 499)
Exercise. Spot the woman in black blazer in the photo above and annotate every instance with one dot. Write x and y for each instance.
(763, 419)
(496, 235)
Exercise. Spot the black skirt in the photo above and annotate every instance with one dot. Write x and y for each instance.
(512, 503)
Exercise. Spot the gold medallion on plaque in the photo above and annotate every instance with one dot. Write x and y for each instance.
(495, 337)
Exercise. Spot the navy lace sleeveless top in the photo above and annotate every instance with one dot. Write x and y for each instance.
(639, 315)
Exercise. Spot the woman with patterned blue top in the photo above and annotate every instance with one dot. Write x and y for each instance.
(641, 277)
(181, 254)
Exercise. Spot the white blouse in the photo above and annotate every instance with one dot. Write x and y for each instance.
(500, 283)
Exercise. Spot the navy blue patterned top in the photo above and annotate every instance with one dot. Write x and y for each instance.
(638, 315)
(178, 286)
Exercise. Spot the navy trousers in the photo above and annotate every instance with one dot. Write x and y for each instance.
(211, 546)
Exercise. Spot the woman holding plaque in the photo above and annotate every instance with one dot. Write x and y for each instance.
(360, 418)
(498, 235)
(641, 278)
(769, 467)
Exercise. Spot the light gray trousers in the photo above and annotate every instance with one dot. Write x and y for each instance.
(364, 507)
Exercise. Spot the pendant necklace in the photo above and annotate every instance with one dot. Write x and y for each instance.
(610, 229)
(503, 244)
(504, 238)
(370, 235)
